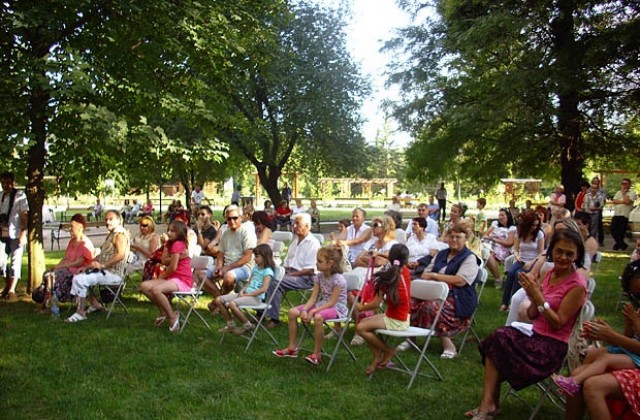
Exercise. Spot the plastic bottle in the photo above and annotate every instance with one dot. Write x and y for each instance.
(55, 308)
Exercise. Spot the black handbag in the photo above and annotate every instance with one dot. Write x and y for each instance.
(39, 293)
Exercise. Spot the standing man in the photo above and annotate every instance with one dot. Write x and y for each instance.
(234, 260)
(299, 266)
(286, 193)
(358, 234)
(197, 197)
(557, 202)
(441, 196)
(106, 268)
(622, 206)
(592, 203)
(13, 221)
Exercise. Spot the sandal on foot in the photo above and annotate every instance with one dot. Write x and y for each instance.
(566, 385)
(448, 354)
(474, 412)
(482, 416)
(385, 365)
(76, 317)
(175, 327)
(159, 320)
(92, 309)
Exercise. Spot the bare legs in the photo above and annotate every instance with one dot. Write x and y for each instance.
(157, 291)
(490, 401)
(382, 353)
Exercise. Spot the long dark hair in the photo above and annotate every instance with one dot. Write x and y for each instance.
(387, 279)
(180, 228)
(266, 253)
(509, 218)
(527, 219)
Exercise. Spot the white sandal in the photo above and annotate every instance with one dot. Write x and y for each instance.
(76, 317)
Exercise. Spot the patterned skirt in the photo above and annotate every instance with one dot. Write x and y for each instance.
(423, 313)
(523, 360)
(629, 380)
(62, 285)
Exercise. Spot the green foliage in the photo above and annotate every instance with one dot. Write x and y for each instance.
(497, 89)
(124, 367)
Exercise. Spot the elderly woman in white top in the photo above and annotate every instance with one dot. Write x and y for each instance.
(420, 242)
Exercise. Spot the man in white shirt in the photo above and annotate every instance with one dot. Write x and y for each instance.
(299, 266)
(13, 221)
(432, 225)
(622, 206)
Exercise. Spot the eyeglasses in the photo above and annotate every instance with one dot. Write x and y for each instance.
(377, 225)
(234, 218)
(144, 225)
(458, 237)
(202, 214)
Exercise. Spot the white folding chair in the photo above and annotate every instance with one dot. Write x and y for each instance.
(319, 237)
(278, 248)
(479, 284)
(191, 297)
(423, 290)
(354, 282)
(282, 236)
(116, 289)
(591, 287)
(257, 313)
(508, 263)
(596, 263)
(546, 386)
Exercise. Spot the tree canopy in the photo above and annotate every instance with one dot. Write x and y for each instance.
(492, 89)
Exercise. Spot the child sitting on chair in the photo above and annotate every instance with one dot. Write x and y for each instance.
(625, 354)
(328, 300)
(393, 283)
(253, 293)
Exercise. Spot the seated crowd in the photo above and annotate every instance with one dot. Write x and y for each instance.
(545, 285)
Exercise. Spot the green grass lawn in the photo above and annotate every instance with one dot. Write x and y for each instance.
(124, 367)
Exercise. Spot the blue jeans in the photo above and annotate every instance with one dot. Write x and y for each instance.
(511, 284)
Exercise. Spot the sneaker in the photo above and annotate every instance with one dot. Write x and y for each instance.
(314, 359)
(227, 329)
(498, 284)
(566, 385)
(286, 352)
(404, 346)
(357, 340)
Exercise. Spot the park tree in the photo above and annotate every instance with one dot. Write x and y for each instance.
(80, 76)
(292, 98)
(491, 89)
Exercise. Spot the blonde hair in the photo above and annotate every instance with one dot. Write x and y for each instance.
(150, 222)
(333, 253)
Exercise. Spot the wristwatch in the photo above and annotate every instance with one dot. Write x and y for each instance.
(544, 307)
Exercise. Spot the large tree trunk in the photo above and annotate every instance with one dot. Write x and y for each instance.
(569, 61)
(39, 100)
(268, 177)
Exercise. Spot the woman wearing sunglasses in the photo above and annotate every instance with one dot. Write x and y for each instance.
(145, 242)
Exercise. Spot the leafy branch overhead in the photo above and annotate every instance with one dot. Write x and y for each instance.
(495, 89)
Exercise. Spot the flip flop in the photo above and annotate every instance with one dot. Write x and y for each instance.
(76, 317)
(389, 364)
(474, 412)
(159, 320)
(176, 325)
(448, 354)
(92, 309)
